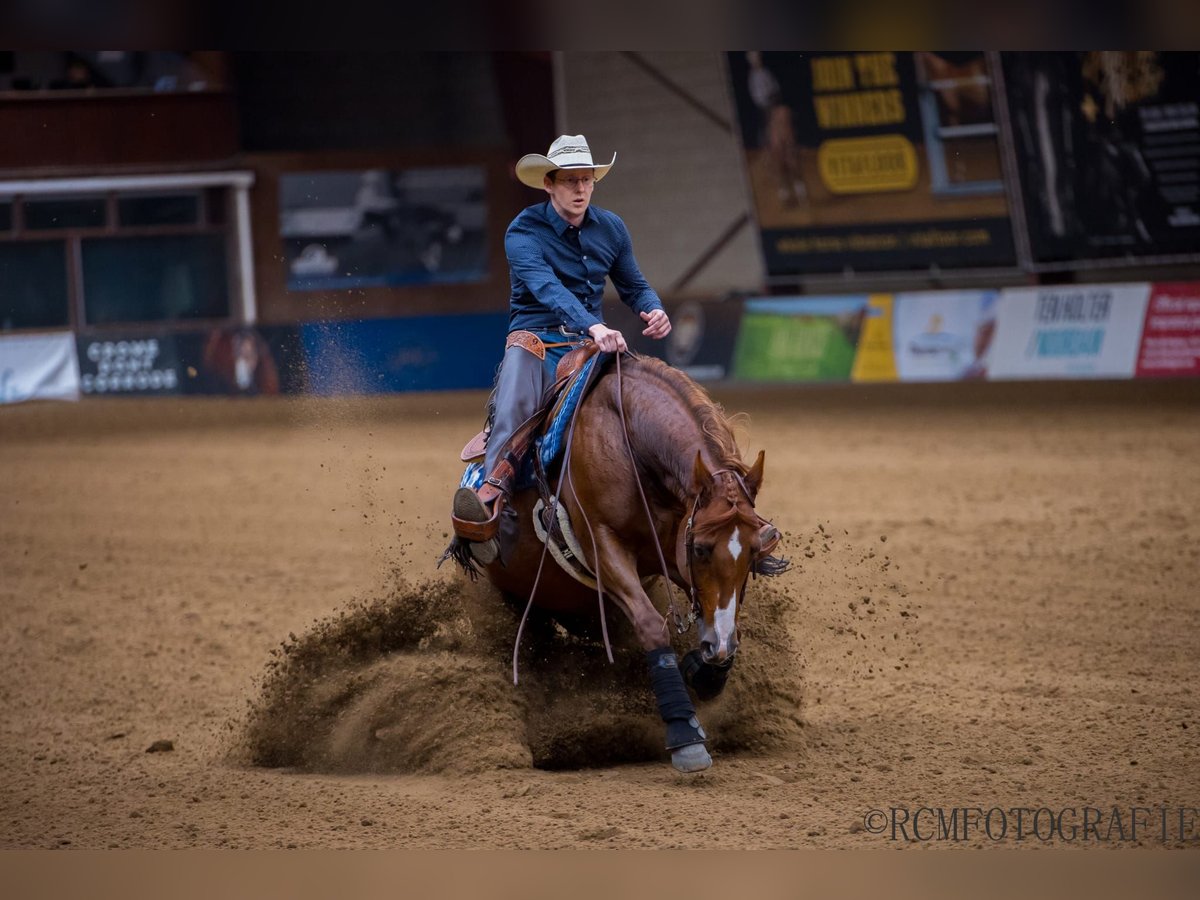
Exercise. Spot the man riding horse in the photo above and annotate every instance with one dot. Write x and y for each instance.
(559, 253)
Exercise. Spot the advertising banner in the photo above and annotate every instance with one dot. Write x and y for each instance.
(1108, 150)
(38, 367)
(129, 365)
(383, 228)
(943, 335)
(799, 338)
(1080, 331)
(242, 360)
(702, 335)
(425, 353)
(926, 336)
(876, 356)
(873, 161)
(1171, 335)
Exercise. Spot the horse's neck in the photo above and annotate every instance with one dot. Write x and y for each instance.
(669, 439)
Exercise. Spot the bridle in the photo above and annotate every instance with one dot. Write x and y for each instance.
(685, 546)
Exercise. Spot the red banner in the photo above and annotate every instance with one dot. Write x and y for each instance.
(1171, 334)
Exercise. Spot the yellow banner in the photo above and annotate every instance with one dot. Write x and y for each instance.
(876, 358)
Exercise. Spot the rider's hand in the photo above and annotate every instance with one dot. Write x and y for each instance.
(608, 339)
(657, 324)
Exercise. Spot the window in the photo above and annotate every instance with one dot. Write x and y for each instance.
(128, 252)
(33, 284)
(105, 70)
(158, 209)
(151, 279)
(55, 214)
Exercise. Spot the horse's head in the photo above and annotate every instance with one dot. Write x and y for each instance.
(723, 541)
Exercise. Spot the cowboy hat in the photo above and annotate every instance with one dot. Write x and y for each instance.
(569, 151)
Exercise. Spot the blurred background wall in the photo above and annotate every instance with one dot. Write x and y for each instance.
(180, 219)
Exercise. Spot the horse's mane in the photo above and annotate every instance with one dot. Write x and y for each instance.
(709, 415)
(718, 431)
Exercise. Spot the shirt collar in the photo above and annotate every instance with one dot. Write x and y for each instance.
(559, 224)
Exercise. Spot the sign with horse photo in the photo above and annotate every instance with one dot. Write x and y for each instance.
(874, 161)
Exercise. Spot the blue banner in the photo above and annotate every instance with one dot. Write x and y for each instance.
(425, 353)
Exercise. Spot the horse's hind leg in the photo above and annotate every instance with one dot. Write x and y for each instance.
(685, 737)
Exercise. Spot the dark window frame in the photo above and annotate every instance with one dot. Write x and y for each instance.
(213, 203)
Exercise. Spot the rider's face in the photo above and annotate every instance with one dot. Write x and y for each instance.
(571, 192)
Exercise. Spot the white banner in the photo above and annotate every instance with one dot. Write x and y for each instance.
(38, 367)
(943, 335)
(1077, 331)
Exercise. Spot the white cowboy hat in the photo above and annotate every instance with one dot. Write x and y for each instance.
(569, 151)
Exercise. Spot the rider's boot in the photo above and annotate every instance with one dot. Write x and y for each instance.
(476, 513)
(470, 509)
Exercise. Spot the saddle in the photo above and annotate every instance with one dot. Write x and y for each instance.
(572, 377)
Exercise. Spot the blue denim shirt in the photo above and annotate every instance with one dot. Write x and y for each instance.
(558, 270)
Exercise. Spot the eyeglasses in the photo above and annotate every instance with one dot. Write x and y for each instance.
(576, 180)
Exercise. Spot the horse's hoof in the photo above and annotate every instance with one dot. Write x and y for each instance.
(692, 758)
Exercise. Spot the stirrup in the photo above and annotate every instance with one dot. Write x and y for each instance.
(473, 523)
(769, 538)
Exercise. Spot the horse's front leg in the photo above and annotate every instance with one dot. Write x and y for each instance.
(705, 678)
(685, 737)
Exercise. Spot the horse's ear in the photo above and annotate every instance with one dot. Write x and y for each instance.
(754, 477)
(701, 476)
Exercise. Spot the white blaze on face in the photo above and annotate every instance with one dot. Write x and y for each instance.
(725, 621)
(735, 546)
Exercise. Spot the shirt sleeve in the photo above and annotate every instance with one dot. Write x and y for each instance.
(632, 287)
(528, 263)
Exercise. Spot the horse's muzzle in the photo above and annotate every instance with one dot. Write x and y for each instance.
(715, 655)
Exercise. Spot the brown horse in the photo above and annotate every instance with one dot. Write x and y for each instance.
(653, 484)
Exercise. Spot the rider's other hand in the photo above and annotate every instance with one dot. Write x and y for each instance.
(658, 325)
(608, 339)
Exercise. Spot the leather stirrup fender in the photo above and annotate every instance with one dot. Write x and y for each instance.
(499, 482)
(526, 340)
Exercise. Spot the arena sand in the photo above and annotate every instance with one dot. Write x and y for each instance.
(995, 601)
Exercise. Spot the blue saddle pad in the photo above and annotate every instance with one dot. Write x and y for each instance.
(548, 445)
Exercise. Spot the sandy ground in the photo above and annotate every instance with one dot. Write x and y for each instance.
(1031, 638)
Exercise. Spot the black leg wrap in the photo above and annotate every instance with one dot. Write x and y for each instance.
(674, 704)
(706, 679)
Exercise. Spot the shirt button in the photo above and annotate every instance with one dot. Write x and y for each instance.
(585, 257)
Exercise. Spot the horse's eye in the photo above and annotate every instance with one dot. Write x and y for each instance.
(702, 552)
